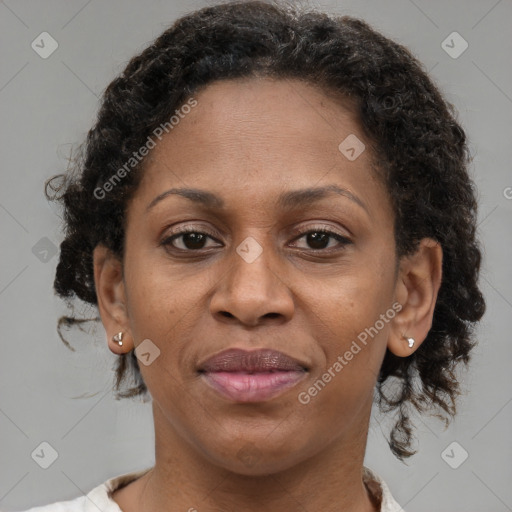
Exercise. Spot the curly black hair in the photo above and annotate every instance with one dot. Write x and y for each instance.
(420, 150)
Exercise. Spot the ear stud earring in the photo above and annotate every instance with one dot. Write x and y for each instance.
(118, 338)
(410, 341)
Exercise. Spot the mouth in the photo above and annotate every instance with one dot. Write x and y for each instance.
(254, 376)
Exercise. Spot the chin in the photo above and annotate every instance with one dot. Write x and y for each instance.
(250, 458)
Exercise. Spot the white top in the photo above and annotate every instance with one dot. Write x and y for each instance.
(100, 497)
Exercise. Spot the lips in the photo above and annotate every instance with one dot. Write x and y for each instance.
(254, 376)
(238, 360)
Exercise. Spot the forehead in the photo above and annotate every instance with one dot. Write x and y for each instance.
(257, 135)
(265, 109)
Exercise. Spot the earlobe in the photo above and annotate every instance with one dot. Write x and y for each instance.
(110, 292)
(417, 287)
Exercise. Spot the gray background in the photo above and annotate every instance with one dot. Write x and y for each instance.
(49, 104)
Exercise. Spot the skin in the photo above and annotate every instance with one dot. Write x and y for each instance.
(248, 141)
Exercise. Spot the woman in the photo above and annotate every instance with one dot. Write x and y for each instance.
(273, 215)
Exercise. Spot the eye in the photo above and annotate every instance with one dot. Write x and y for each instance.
(319, 238)
(191, 240)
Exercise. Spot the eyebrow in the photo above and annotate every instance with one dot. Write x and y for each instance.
(287, 200)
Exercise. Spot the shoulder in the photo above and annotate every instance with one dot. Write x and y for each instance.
(381, 491)
(98, 498)
(74, 505)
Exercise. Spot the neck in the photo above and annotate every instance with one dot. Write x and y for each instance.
(184, 479)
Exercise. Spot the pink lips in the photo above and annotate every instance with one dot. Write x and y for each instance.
(254, 376)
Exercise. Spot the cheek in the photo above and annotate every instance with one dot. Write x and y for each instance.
(156, 300)
(165, 306)
(343, 387)
(354, 302)
(356, 314)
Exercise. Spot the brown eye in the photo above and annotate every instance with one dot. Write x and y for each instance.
(190, 240)
(318, 239)
(193, 240)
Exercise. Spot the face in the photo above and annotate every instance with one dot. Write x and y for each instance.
(256, 270)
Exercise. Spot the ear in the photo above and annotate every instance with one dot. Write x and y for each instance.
(110, 291)
(418, 282)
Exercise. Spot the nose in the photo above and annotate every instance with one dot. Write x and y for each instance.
(251, 293)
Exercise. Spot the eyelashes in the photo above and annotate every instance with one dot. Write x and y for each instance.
(194, 244)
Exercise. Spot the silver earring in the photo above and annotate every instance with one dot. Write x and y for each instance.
(410, 341)
(118, 338)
